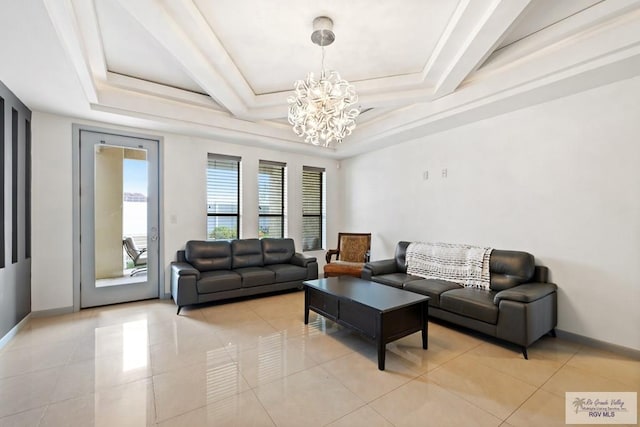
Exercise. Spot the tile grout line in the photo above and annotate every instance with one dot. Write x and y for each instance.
(539, 388)
(443, 386)
(263, 407)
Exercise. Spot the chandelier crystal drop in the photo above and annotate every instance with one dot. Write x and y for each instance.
(322, 111)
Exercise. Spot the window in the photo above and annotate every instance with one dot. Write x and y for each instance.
(223, 197)
(313, 210)
(271, 199)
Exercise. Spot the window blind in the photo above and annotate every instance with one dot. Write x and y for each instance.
(271, 199)
(223, 197)
(312, 208)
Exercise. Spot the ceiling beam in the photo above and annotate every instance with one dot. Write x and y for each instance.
(64, 21)
(461, 51)
(572, 26)
(87, 20)
(164, 28)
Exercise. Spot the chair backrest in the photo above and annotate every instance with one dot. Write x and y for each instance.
(353, 247)
(137, 255)
(130, 247)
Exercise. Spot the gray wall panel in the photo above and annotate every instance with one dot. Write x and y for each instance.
(15, 270)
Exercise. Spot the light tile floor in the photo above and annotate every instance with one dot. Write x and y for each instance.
(254, 362)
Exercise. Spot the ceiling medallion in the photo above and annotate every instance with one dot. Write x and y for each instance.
(322, 110)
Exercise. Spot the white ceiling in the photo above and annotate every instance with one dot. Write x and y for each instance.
(224, 68)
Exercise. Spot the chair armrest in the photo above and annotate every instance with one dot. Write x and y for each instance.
(184, 269)
(331, 252)
(527, 292)
(301, 260)
(385, 266)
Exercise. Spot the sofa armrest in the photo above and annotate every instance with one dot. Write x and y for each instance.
(184, 269)
(527, 292)
(301, 260)
(385, 266)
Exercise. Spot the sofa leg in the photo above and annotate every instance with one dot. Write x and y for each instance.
(524, 353)
(553, 332)
(179, 308)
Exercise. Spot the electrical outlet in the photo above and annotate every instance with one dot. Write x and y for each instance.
(425, 175)
(444, 173)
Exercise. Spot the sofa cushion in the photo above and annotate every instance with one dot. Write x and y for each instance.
(208, 256)
(397, 280)
(510, 268)
(432, 288)
(288, 272)
(471, 302)
(219, 280)
(246, 253)
(255, 276)
(277, 251)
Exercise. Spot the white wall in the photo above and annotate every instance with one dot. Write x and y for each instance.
(183, 213)
(185, 163)
(560, 180)
(52, 213)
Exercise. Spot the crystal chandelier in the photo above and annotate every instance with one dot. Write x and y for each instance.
(320, 110)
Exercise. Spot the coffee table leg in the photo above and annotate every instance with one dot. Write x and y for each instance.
(382, 346)
(382, 349)
(306, 305)
(425, 325)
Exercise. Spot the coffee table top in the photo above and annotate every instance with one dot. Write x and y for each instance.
(375, 295)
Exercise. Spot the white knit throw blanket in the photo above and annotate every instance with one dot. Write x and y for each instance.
(463, 264)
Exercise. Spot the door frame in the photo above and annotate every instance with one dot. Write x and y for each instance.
(76, 128)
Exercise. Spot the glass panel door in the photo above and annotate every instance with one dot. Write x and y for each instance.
(119, 219)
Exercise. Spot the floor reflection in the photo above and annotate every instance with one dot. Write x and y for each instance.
(140, 364)
(135, 345)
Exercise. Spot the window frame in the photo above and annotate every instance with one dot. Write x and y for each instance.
(237, 214)
(322, 213)
(283, 199)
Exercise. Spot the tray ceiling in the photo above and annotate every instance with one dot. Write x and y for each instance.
(225, 68)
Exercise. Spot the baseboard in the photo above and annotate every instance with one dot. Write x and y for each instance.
(603, 345)
(52, 312)
(12, 333)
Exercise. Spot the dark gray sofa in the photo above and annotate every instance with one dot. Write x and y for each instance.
(215, 270)
(520, 306)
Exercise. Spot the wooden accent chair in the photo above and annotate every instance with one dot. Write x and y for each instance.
(351, 254)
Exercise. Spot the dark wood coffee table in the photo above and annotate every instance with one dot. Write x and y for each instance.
(382, 313)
